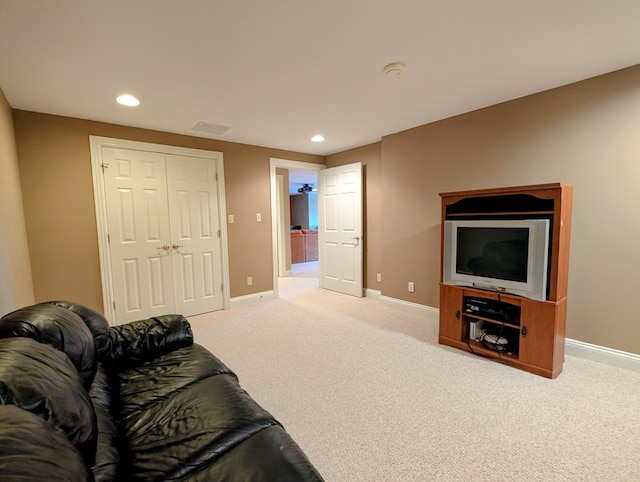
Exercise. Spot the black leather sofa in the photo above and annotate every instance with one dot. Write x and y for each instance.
(84, 401)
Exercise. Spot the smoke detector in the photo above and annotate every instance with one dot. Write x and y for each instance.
(393, 70)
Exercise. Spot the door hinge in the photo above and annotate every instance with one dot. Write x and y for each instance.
(219, 233)
(108, 239)
(114, 305)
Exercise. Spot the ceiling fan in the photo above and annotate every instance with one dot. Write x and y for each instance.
(307, 188)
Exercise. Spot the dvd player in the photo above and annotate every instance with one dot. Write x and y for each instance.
(492, 309)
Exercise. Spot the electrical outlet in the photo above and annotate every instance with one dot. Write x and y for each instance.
(412, 287)
(379, 277)
(258, 217)
(249, 280)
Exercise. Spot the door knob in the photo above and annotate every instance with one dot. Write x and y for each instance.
(176, 246)
(165, 247)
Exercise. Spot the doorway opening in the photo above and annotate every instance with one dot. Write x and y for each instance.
(287, 177)
(308, 269)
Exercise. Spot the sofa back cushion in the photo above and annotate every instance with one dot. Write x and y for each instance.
(59, 327)
(40, 379)
(97, 324)
(137, 341)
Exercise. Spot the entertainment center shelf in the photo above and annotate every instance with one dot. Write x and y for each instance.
(520, 331)
(502, 214)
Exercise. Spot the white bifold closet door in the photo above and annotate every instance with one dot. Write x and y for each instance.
(164, 233)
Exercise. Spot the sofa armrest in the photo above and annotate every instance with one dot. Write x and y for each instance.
(141, 340)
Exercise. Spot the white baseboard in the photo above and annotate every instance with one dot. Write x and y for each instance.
(251, 299)
(369, 293)
(578, 349)
(409, 307)
(602, 354)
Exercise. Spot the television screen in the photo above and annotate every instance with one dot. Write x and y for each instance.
(493, 252)
(509, 255)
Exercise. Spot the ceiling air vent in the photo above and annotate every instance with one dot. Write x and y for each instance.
(210, 128)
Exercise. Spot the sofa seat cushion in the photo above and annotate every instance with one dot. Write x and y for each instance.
(154, 381)
(107, 463)
(32, 450)
(270, 455)
(190, 429)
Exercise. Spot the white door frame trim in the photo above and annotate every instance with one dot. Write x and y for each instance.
(274, 163)
(280, 226)
(106, 277)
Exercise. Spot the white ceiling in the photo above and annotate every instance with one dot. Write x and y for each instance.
(277, 72)
(298, 177)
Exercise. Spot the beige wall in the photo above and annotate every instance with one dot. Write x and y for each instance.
(55, 169)
(16, 288)
(586, 134)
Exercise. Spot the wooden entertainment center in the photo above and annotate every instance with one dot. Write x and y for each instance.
(535, 329)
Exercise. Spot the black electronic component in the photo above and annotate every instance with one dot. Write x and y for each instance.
(492, 309)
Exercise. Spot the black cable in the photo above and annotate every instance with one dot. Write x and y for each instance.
(498, 339)
(496, 346)
(469, 340)
(502, 314)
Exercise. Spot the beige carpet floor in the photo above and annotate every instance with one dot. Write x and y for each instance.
(370, 395)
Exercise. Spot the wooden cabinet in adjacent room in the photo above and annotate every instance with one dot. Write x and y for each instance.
(300, 210)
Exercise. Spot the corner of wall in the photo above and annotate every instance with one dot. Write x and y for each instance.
(16, 286)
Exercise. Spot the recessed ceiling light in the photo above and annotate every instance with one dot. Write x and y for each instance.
(317, 138)
(128, 100)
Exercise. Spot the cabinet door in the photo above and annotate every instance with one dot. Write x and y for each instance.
(451, 324)
(300, 210)
(537, 333)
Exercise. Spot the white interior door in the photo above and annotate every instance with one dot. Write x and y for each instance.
(195, 235)
(139, 233)
(165, 245)
(340, 228)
